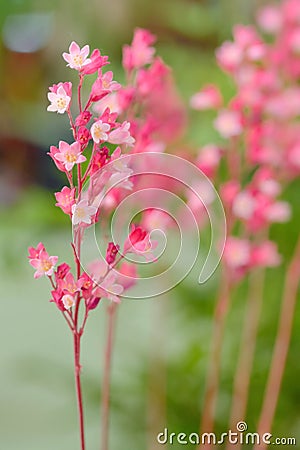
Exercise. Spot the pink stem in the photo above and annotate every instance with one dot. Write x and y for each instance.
(281, 346)
(112, 308)
(77, 368)
(247, 351)
(212, 383)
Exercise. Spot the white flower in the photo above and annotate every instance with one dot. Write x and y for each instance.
(68, 301)
(98, 131)
(59, 101)
(82, 212)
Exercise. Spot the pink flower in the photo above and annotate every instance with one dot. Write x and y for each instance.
(65, 199)
(140, 52)
(121, 135)
(69, 155)
(208, 159)
(244, 205)
(109, 288)
(43, 263)
(270, 19)
(103, 85)
(229, 56)
(237, 253)
(83, 136)
(228, 123)
(278, 212)
(139, 242)
(77, 58)
(61, 271)
(209, 97)
(83, 118)
(87, 285)
(54, 151)
(96, 62)
(59, 100)
(265, 255)
(67, 85)
(111, 252)
(34, 252)
(99, 131)
(127, 276)
(83, 213)
(68, 284)
(100, 158)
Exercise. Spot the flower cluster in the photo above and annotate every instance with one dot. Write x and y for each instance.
(261, 127)
(94, 159)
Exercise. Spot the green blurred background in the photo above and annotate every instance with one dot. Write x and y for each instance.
(162, 345)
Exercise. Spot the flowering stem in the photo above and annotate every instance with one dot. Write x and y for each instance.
(77, 368)
(212, 383)
(247, 350)
(111, 310)
(281, 345)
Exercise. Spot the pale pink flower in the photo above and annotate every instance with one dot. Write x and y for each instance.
(270, 19)
(265, 255)
(229, 56)
(77, 58)
(209, 97)
(99, 131)
(121, 135)
(278, 212)
(244, 205)
(109, 101)
(69, 155)
(237, 253)
(43, 263)
(127, 275)
(59, 101)
(140, 52)
(109, 288)
(65, 199)
(208, 159)
(82, 212)
(68, 301)
(228, 123)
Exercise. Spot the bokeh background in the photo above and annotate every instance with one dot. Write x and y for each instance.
(162, 345)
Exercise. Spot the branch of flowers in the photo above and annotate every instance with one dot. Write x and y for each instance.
(111, 311)
(281, 345)
(213, 374)
(247, 350)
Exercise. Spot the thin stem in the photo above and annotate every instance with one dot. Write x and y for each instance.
(77, 370)
(213, 375)
(79, 92)
(247, 351)
(157, 378)
(111, 310)
(281, 347)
